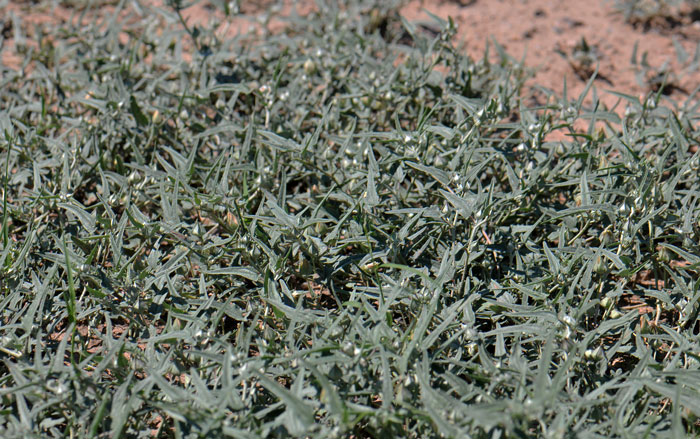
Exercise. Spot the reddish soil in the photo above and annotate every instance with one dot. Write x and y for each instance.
(547, 34)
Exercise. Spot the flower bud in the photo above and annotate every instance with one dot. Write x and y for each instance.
(309, 67)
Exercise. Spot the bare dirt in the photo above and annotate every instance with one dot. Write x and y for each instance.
(548, 35)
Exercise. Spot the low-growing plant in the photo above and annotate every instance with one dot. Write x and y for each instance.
(659, 14)
(583, 59)
(343, 229)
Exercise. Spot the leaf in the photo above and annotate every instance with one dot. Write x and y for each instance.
(87, 220)
(371, 197)
(243, 272)
(438, 174)
(291, 401)
(554, 265)
(140, 118)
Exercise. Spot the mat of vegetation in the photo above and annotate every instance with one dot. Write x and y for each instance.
(347, 229)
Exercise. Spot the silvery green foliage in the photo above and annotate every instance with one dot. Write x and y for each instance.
(345, 229)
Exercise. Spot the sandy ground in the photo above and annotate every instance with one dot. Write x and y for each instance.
(547, 34)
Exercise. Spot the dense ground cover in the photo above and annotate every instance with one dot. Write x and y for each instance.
(347, 229)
